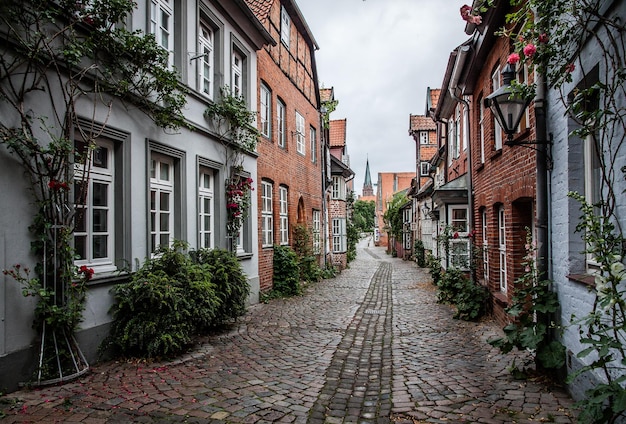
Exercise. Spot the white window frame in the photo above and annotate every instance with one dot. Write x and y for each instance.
(424, 168)
(317, 232)
(456, 141)
(102, 175)
(485, 235)
(454, 219)
(340, 237)
(497, 129)
(206, 47)
(459, 247)
(281, 114)
(424, 139)
(502, 249)
(285, 26)
(593, 189)
(158, 187)
(236, 74)
(266, 111)
(283, 201)
(206, 208)
(481, 124)
(313, 137)
(267, 214)
(300, 141)
(162, 25)
(339, 188)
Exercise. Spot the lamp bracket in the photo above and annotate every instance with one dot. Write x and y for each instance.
(530, 142)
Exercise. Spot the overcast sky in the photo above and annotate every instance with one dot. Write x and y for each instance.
(380, 56)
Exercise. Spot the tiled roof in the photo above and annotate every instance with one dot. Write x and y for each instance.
(434, 97)
(422, 123)
(261, 8)
(337, 133)
(326, 94)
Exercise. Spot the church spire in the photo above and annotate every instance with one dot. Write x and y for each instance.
(368, 188)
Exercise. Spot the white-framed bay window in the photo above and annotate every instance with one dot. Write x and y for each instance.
(283, 201)
(94, 202)
(162, 24)
(317, 232)
(206, 208)
(161, 198)
(459, 243)
(267, 211)
(340, 237)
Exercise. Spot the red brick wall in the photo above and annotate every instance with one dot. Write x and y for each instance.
(507, 177)
(288, 74)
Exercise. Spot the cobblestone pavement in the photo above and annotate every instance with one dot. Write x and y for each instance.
(370, 346)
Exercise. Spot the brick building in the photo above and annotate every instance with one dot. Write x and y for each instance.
(289, 164)
(389, 183)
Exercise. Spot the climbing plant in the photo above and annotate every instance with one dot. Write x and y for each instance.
(61, 64)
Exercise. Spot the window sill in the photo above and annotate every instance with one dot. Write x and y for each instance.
(496, 154)
(500, 298)
(480, 167)
(244, 255)
(586, 279)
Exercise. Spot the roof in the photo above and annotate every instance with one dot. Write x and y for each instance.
(261, 8)
(421, 123)
(337, 133)
(337, 167)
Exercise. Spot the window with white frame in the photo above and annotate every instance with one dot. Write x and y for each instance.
(267, 211)
(94, 236)
(300, 147)
(485, 244)
(458, 219)
(593, 187)
(283, 201)
(339, 188)
(317, 232)
(465, 126)
(281, 132)
(340, 238)
(162, 24)
(206, 47)
(456, 140)
(285, 26)
(206, 207)
(424, 169)
(497, 129)
(424, 137)
(502, 249)
(161, 201)
(236, 74)
(313, 136)
(459, 244)
(481, 124)
(266, 111)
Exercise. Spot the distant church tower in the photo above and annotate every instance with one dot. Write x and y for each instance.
(368, 188)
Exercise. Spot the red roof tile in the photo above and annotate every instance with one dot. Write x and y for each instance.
(261, 8)
(337, 133)
(422, 123)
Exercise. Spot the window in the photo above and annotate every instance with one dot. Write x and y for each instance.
(283, 200)
(456, 136)
(285, 26)
(458, 219)
(593, 186)
(497, 129)
(266, 111)
(424, 137)
(502, 248)
(459, 245)
(267, 210)
(300, 134)
(94, 202)
(522, 78)
(161, 201)
(317, 232)
(485, 245)
(162, 23)
(206, 44)
(481, 124)
(206, 206)
(236, 76)
(424, 169)
(313, 136)
(280, 124)
(339, 235)
(339, 188)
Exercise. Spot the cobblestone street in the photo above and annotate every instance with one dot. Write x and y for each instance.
(370, 346)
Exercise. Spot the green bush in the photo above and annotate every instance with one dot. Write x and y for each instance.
(420, 253)
(457, 289)
(172, 298)
(434, 266)
(286, 272)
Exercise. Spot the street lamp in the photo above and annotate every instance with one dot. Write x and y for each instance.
(507, 105)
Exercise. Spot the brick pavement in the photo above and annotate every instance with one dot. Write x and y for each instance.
(370, 346)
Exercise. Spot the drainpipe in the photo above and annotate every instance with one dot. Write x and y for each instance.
(452, 88)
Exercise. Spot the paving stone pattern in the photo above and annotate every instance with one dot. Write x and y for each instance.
(369, 346)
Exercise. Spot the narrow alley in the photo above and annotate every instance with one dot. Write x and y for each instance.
(369, 346)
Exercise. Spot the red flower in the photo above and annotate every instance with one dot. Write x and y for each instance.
(543, 38)
(513, 58)
(570, 68)
(530, 50)
(456, 235)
